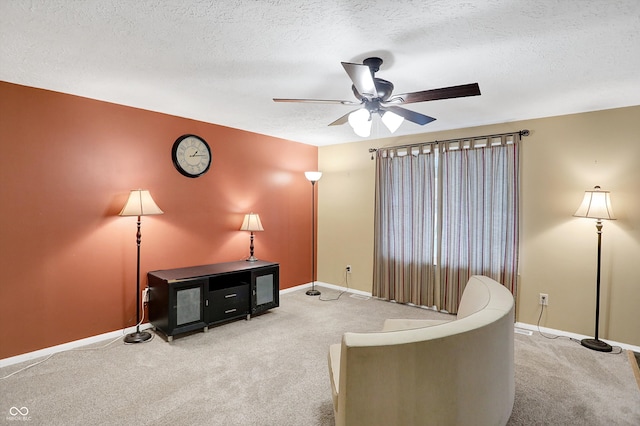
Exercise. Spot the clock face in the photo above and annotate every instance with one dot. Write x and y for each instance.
(191, 155)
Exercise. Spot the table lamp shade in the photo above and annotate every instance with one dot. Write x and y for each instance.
(140, 203)
(251, 223)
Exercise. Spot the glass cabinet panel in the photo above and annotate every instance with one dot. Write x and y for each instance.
(188, 305)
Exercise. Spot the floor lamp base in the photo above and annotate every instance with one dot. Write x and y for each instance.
(137, 337)
(596, 345)
(313, 292)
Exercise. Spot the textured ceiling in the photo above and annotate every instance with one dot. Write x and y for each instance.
(223, 61)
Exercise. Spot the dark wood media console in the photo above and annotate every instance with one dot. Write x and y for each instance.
(187, 299)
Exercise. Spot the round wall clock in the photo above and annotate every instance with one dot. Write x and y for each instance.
(191, 155)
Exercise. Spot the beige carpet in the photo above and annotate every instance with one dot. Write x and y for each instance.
(559, 382)
(272, 370)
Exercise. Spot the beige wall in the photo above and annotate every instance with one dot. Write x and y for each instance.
(563, 157)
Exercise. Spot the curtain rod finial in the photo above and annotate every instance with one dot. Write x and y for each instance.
(524, 132)
(372, 150)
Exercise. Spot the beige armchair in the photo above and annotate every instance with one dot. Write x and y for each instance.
(421, 372)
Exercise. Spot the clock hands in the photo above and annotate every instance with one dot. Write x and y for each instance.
(195, 154)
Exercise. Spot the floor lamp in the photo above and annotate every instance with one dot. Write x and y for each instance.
(596, 205)
(251, 223)
(139, 204)
(313, 177)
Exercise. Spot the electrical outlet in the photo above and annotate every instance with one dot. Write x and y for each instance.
(348, 268)
(145, 295)
(544, 299)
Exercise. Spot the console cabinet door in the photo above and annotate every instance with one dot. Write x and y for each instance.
(265, 289)
(187, 306)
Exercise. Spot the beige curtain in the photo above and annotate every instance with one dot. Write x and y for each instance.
(404, 224)
(445, 211)
(480, 185)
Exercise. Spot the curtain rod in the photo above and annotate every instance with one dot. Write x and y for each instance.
(523, 132)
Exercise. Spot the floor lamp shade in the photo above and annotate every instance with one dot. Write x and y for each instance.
(313, 177)
(596, 204)
(251, 223)
(140, 203)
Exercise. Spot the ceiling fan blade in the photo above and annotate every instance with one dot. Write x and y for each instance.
(362, 79)
(435, 94)
(342, 120)
(317, 101)
(412, 116)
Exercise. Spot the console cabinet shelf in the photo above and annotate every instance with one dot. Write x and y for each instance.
(192, 298)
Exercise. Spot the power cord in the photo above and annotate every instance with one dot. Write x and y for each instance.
(56, 353)
(82, 349)
(346, 280)
(143, 303)
(567, 337)
(542, 334)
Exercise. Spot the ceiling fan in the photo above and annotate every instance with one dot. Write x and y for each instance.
(374, 95)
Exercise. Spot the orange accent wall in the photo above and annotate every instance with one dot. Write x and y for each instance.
(67, 164)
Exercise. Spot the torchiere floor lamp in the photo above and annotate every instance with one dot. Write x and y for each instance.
(596, 205)
(313, 177)
(139, 204)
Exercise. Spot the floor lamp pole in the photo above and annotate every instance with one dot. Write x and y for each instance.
(596, 344)
(138, 336)
(313, 291)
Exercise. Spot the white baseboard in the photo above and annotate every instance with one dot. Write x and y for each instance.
(323, 284)
(70, 345)
(554, 332)
(115, 334)
(121, 333)
(521, 325)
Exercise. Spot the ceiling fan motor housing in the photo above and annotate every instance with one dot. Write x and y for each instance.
(383, 87)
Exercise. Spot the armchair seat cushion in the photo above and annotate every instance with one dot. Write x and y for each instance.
(408, 324)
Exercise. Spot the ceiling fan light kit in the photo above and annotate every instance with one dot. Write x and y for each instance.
(392, 120)
(360, 121)
(375, 96)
